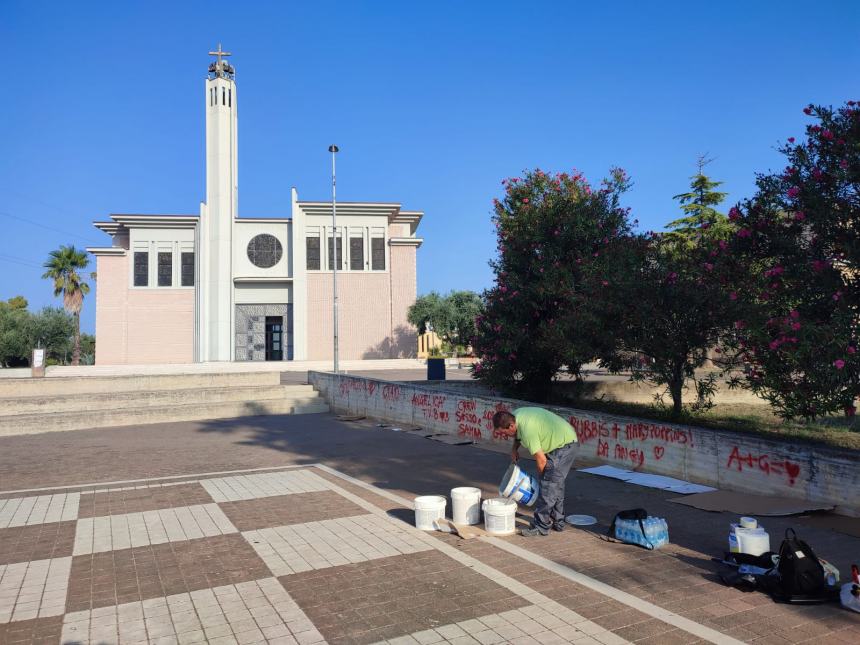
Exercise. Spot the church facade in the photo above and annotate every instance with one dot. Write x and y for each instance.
(218, 287)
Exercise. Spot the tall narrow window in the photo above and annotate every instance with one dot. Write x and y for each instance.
(165, 269)
(141, 268)
(339, 253)
(230, 97)
(210, 96)
(187, 266)
(377, 253)
(356, 253)
(312, 250)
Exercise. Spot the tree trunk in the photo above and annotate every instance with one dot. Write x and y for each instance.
(76, 351)
(676, 386)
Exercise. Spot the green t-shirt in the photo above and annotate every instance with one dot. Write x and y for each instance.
(541, 430)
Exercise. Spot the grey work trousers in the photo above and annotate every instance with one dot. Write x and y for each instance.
(549, 508)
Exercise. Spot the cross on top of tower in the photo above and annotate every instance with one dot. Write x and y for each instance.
(221, 67)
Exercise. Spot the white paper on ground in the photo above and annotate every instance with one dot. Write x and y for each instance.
(646, 479)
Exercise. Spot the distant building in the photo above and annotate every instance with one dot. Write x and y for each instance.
(217, 287)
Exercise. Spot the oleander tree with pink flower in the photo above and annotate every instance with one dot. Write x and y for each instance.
(556, 237)
(795, 264)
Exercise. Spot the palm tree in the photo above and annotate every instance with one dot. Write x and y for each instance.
(62, 267)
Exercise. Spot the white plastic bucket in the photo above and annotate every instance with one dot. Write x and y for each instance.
(466, 503)
(500, 516)
(519, 486)
(428, 509)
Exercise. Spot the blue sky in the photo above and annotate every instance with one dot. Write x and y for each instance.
(432, 104)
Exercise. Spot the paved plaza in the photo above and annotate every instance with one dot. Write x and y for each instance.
(298, 529)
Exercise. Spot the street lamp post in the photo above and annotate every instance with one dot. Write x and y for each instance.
(333, 149)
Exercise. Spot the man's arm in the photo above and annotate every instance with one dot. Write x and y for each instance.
(540, 458)
(515, 453)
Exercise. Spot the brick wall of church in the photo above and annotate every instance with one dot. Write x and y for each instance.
(372, 311)
(138, 326)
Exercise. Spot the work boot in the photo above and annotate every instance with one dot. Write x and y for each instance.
(533, 531)
(559, 526)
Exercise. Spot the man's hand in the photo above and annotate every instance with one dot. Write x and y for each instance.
(515, 455)
(540, 459)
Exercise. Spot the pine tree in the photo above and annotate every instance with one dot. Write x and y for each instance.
(701, 221)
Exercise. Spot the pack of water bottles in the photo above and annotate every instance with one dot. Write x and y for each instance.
(650, 532)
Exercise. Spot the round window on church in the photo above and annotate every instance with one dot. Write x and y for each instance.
(265, 251)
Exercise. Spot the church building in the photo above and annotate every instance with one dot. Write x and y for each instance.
(218, 287)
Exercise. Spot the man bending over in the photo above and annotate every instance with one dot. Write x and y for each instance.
(552, 442)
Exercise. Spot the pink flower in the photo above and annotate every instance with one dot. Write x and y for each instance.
(733, 295)
(795, 326)
(744, 232)
(605, 283)
(850, 410)
(793, 192)
(791, 139)
(734, 213)
(799, 216)
(740, 324)
(794, 313)
(827, 134)
(839, 363)
(819, 265)
(774, 344)
(709, 266)
(525, 200)
(724, 245)
(843, 164)
(807, 110)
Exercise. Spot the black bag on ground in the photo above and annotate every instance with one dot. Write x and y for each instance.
(801, 576)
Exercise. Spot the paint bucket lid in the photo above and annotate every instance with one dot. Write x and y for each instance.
(581, 520)
(748, 523)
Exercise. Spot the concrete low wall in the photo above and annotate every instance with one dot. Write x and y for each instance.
(727, 460)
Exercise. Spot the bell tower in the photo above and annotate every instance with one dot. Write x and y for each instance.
(219, 212)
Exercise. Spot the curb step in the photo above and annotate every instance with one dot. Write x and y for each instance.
(29, 405)
(90, 419)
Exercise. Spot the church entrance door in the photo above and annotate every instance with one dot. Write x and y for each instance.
(274, 338)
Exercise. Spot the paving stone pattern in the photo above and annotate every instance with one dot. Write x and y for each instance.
(287, 556)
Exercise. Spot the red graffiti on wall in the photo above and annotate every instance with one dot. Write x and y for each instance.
(635, 456)
(356, 385)
(391, 392)
(431, 406)
(466, 413)
(498, 435)
(588, 429)
(468, 430)
(765, 463)
(659, 433)
(603, 449)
